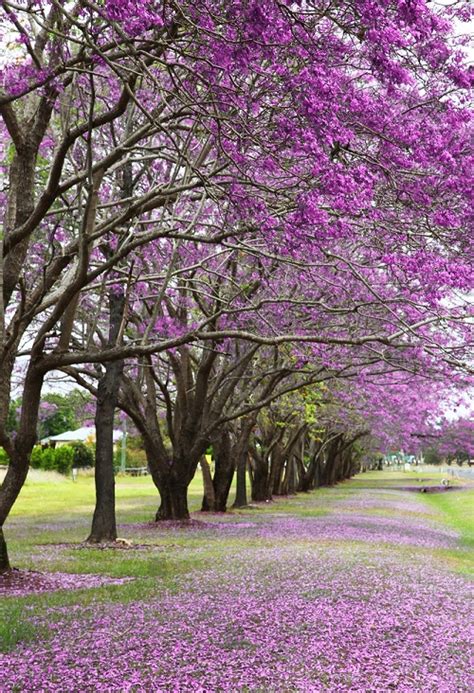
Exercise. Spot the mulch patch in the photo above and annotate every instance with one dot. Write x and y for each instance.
(107, 546)
(172, 524)
(26, 580)
(15, 583)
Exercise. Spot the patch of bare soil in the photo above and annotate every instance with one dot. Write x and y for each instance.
(24, 580)
(172, 524)
(119, 545)
(15, 583)
(432, 489)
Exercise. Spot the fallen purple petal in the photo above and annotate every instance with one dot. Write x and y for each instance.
(340, 602)
(19, 583)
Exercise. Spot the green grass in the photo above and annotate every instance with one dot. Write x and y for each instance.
(52, 510)
(458, 511)
(16, 625)
(62, 495)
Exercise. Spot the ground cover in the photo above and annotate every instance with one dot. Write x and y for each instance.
(357, 588)
(458, 510)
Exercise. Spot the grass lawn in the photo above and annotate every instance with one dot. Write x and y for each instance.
(457, 508)
(368, 542)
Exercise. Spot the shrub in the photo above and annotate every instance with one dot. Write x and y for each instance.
(63, 459)
(36, 457)
(83, 455)
(134, 458)
(432, 456)
(52, 459)
(48, 459)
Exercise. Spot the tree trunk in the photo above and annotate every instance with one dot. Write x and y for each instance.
(311, 478)
(260, 489)
(222, 484)
(12, 484)
(104, 525)
(289, 480)
(333, 469)
(209, 498)
(20, 454)
(329, 470)
(345, 471)
(260, 479)
(241, 487)
(224, 470)
(4, 562)
(171, 476)
(241, 461)
(276, 472)
(316, 477)
(174, 500)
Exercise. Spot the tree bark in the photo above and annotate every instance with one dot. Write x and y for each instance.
(4, 561)
(241, 481)
(171, 477)
(21, 450)
(104, 527)
(329, 469)
(223, 473)
(12, 484)
(209, 498)
(310, 478)
(222, 484)
(260, 479)
(241, 460)
(289, 480)
(104, 524)
(276, 471)
(174, 500)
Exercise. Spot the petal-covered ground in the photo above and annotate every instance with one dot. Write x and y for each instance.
(349, 601)
(17, 583)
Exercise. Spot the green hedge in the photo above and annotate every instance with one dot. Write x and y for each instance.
(84, 455)
(60, 459)
(134, 458)
(53, 459)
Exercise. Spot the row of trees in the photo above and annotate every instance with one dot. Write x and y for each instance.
(450, 441)
(211, 206)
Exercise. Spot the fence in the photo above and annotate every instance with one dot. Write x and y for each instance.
(453, 470)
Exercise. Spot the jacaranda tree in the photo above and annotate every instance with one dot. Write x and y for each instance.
(329, 141)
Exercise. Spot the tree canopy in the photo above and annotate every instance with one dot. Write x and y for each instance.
(208, 206)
